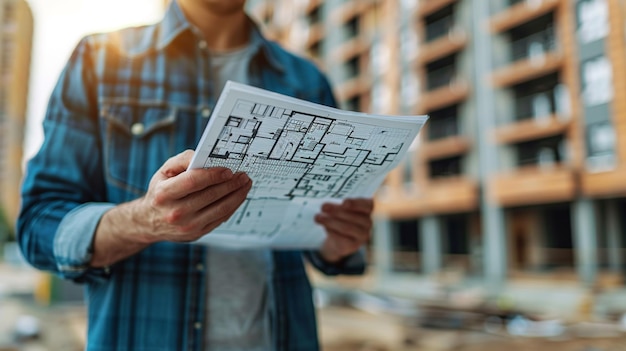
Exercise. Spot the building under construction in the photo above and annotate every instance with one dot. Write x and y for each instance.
(520, 173)
(16, 32)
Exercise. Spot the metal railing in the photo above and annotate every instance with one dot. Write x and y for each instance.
(534, 46)
(535, 105)
(539, 153)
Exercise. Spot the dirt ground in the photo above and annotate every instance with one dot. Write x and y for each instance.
(351, 330)
(62, 328)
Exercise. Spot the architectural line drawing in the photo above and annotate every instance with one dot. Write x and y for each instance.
(298, 155)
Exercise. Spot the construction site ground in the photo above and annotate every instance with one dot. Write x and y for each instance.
(62, 327)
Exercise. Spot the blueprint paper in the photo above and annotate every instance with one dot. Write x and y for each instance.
(299, 155)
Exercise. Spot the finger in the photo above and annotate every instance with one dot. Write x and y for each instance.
(216, 223)
(194, 180)
(224, 207)
(365, 206)
(345, 228)
(207, 229)
(356, 219)
(341, 245)
(359, 205)
(201, 199)
(343, 238)
(175, 165)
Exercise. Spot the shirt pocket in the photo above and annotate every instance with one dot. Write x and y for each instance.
(138, 139)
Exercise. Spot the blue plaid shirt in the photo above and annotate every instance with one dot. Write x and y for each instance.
(124, 104)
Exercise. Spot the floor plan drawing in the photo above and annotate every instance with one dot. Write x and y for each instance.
(298, 155)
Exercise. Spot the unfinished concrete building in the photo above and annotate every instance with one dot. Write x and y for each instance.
(16, 32)
(520, 173)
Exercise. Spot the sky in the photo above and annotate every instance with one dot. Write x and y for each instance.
(59, 25)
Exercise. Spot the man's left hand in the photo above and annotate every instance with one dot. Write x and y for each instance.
(348, 226)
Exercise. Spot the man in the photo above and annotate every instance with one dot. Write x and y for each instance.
(107, 201)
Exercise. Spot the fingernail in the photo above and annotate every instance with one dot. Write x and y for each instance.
(227, 174)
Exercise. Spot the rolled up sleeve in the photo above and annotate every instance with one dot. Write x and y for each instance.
(63, 192)
(74, 238)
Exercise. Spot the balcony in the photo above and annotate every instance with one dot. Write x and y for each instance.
(604, 183)
(533, 185)
(441, 196)
(451, 195)
(521, 12)
(536, 105)
(446, 147)
(457, 90)
(534, 46)
(428, 7)
(545, 152)
(531, 129)
(452, 42)
(528, 69)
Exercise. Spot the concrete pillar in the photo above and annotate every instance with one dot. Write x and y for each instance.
(430, 240)
(494, 246)
(613, 237)
(494, 235)
(383, 246)
(585, 240)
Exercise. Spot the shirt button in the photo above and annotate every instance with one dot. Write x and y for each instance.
(197, 325)
(202, 44)
(206, 112)
(136, 128)
(200, 267)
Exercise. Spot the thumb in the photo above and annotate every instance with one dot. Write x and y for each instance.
(175, 165)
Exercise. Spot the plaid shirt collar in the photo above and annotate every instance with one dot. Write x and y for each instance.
(174, 23)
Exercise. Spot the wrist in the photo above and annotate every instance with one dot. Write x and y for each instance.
(140, 223)
(119, 235)
(128, 223)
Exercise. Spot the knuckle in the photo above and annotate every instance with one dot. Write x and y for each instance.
(190, 180)
(159, 195)
(174, 216)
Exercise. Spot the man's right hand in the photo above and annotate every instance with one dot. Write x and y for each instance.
(180, 205)
(183, 205)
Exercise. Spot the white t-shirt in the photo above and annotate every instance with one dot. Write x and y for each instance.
(237, 291)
